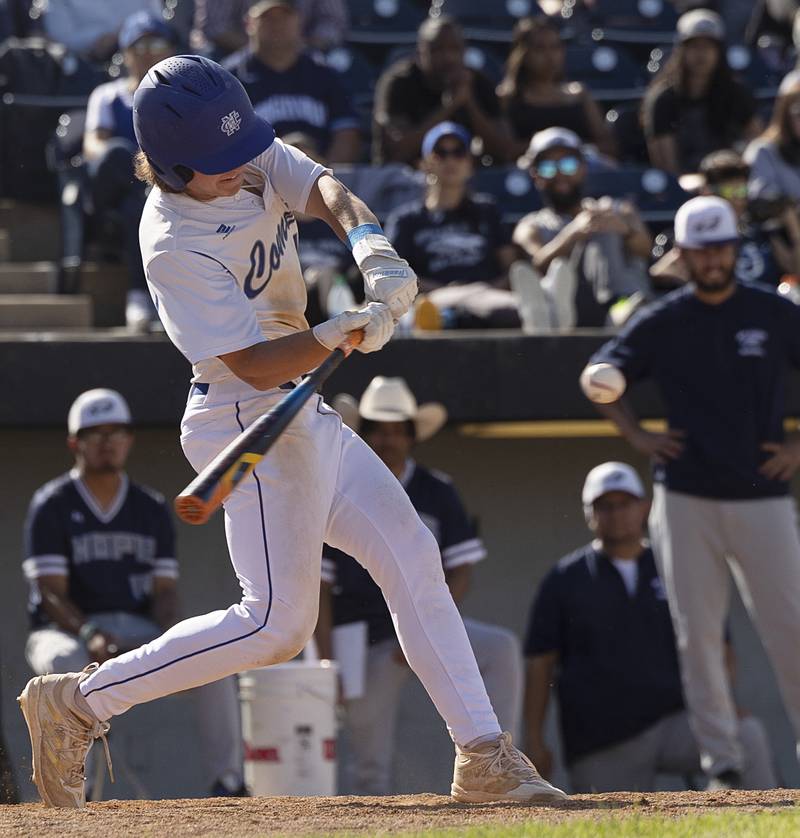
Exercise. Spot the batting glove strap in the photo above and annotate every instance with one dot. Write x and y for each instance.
(332, 332)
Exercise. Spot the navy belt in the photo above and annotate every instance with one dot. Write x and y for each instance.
(201, 388)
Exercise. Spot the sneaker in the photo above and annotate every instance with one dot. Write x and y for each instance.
(140, 313)
(62, 729)
(498, 771)
(225, 788)
(725, 780)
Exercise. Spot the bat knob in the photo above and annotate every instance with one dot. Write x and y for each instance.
(191, 509)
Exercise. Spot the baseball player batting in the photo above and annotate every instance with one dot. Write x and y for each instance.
(218, 239)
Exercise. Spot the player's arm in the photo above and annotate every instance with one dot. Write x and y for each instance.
(458, 581)
(387, 278)
(164, 607)
(95, 143)
(660, 446)
(57, 605)
(539, 672)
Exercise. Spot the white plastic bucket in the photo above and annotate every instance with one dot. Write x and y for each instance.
(289, 728)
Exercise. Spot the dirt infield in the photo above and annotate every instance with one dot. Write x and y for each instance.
(366, 815)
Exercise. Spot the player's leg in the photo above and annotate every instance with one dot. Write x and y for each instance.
(499, 656)
(373, 520)
(765, 542)
(274, 523)
(371, 721)
(689, 546)
(629, 766)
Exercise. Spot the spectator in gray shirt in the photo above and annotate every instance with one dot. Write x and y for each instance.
(774, 157)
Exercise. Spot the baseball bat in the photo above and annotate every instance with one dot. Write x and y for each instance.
(206, 493)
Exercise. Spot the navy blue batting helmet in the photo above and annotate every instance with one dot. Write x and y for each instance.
(191, 115)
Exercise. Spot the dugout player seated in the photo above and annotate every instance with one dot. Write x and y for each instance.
(109, 145)
(600, 632)
(291, 90)
(391, 422)
(455, 239)
(102, 573)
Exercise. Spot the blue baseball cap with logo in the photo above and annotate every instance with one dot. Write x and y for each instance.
(143, 23)
(445, 129)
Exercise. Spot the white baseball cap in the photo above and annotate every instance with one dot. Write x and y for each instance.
(98, 407)
(704, 221)
(791, 80)
(611, 477)
(700, 23)
(543, 141)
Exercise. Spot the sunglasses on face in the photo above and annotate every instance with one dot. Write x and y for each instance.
(548, 169)
(458, 152)
(732, 191)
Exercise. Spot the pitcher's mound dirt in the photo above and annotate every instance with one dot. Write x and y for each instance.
(368, 815)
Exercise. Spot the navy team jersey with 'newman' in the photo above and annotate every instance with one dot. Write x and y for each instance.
(307, 97)
(110, 556)
(356, 597)
(722, 371)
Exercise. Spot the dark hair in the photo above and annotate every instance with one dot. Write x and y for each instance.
(779, 130)
(517, 73)
(369, 425)
(432, 27)
(723, 165)
(722, 88)
(144, 171)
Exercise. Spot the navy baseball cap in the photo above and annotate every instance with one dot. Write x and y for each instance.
(445, 129)
(144, 23)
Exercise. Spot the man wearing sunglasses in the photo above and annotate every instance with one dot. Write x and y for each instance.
(109, 145)
(455, 239)
(102, 574)
(586, 253)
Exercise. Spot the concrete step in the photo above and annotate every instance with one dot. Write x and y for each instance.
(33, 230)
(28, 277)
(107, 284)
(45, 311)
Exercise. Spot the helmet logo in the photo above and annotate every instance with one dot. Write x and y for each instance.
(231, 123)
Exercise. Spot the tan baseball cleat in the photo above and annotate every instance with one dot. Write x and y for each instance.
(498, 771)
(62, 729)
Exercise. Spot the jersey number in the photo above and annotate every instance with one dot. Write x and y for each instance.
(258, 260)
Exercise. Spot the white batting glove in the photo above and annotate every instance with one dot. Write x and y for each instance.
(375, 319)
(387, 278)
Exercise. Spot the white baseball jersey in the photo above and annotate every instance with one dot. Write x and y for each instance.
(224, 274)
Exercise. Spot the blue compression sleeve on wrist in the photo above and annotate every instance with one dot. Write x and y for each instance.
(357, 233)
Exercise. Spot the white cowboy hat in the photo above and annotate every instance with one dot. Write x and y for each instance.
(391, 400)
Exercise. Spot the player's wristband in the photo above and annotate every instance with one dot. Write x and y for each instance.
(87, 631)
(355, 235)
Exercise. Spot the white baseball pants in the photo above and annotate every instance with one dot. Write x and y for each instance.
(319, 482)
(694, 541)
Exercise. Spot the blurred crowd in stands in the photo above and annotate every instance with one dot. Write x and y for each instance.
(527, 157)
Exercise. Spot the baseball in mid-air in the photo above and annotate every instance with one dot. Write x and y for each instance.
(602, 383)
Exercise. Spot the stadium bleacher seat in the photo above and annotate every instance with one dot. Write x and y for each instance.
(486, 21)
(609, 72)
(656, 194)
(634, 21)
(384, 21)
(511, 187)
(625, 122)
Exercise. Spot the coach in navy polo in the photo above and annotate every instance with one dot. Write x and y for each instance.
(719, 352)
(600, 629)
(289, 88)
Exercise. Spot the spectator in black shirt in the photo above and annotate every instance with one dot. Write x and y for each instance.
(454, 238)
(291, 90)
(600, 629)
(695, 106)
(535, 94)
(435, 85)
